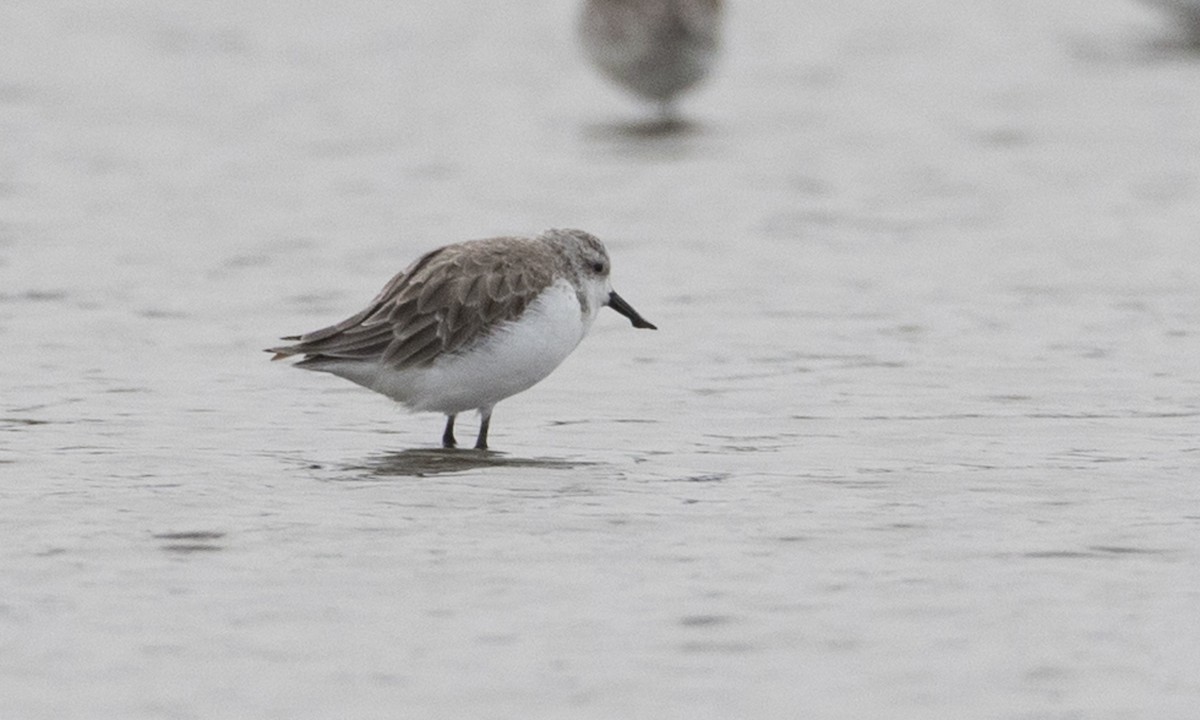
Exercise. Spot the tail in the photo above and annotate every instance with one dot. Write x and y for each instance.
(285, 351)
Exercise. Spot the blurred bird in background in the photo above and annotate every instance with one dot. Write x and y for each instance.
(1186, 14)
(656, 49)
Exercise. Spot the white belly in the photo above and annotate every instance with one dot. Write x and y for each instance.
(514, 358)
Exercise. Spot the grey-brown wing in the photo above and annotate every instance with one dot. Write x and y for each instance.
(456, 300)
(363, 335)
(442, 304)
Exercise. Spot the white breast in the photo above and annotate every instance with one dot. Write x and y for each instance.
(515, 356)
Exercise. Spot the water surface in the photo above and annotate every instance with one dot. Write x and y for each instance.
(917, 437)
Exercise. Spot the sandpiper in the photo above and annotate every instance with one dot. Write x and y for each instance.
(470, 324)
(1186, 13)
(654, 48)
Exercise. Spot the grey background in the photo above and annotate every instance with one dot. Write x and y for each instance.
(917, 437)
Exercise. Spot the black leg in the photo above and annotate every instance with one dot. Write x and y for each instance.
(448, 440)
(485, 419)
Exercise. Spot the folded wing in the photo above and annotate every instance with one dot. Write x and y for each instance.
(447, 301)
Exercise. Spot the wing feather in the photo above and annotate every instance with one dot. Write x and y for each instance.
(444, 303)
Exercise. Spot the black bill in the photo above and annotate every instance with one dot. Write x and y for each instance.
(616, 302)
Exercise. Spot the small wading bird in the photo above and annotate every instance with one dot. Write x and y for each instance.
(1186, 13)
(656, 49)
(470, 324)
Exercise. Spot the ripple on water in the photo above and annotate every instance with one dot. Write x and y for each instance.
(1095, 551)
(190, 541)
(704, 620)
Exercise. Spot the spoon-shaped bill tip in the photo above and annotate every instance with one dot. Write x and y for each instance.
(616, 302)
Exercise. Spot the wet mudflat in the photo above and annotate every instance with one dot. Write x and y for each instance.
(917, 436)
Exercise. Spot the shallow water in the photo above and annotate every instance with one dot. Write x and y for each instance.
(917, 436)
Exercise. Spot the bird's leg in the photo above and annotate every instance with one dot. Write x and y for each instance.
(448, 440)
(485, 418)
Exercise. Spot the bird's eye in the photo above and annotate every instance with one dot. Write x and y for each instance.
(597, 267)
